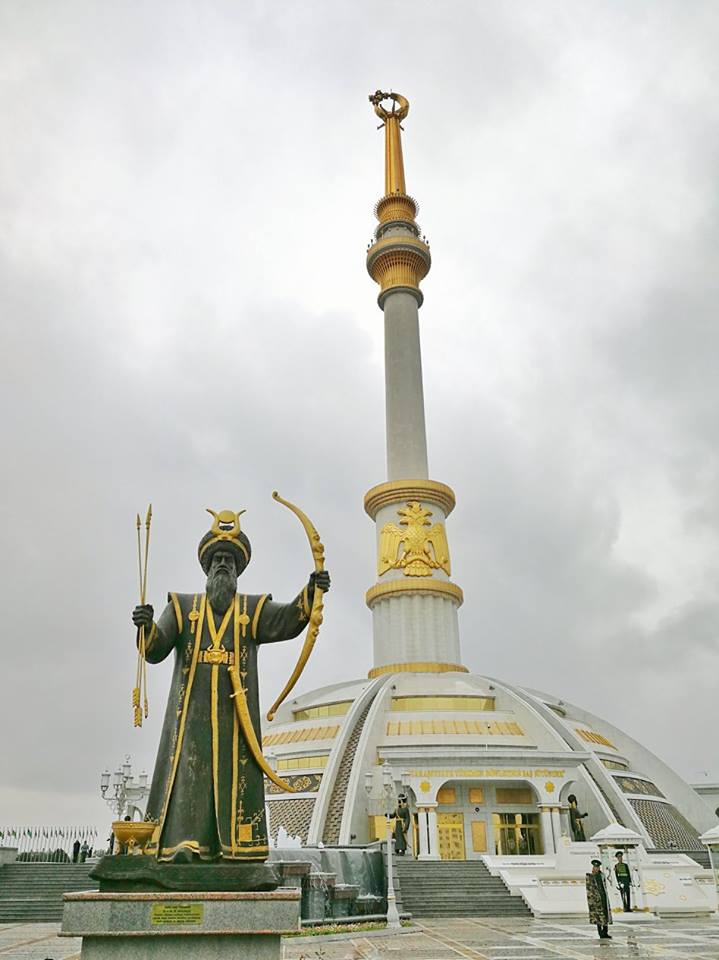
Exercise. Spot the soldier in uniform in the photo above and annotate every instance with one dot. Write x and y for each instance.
(401, 825)
(597, 901)
(624, 880)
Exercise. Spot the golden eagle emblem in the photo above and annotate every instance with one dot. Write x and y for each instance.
(411, 546)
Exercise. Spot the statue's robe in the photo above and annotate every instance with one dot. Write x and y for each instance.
(207, 791)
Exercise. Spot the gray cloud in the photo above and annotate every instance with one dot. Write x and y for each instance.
(184, 196)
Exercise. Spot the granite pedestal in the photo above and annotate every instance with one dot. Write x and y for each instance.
(172, 926)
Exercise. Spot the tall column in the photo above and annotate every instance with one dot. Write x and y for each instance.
(414, 604)
(423, 833)
(548, 838)
(404, 394)
(556, 826)
(433, 830)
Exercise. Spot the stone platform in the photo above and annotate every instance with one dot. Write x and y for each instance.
(137, 874)
(171, 926)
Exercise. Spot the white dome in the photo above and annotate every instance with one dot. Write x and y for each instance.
(478, 752)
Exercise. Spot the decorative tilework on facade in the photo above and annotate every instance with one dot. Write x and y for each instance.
(307, 783)
(293, 815)
(339, 791)
(633, 785)
(666, 826)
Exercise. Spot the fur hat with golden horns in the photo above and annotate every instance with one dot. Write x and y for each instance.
(225, 534)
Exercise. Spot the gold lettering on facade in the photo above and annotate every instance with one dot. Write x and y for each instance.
(497, 773)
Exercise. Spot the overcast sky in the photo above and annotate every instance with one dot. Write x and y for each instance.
(186, 195)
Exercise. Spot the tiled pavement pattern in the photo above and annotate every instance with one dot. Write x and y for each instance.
(450, 939)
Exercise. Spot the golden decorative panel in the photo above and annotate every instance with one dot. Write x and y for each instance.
(299, 736)
(394, 491)
(479, 836)
(522, 795)
(424, 585)
(590, 736)
(304, 783)
(396, 206)
(476, 795)
(422, 704)
(417, 666)
(416, 546)
(614, 764)
(398, 262)
(325, 710)
(447, 795)
(418, 728)
(300, 763)
(450, 827)
(377, 828)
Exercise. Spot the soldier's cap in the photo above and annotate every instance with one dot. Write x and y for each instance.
(225, 534)
(619, 853)
(596, 863)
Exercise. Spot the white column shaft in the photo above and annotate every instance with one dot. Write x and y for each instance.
(556, 825)
(406, 435)
(548, 837)
(433, 831)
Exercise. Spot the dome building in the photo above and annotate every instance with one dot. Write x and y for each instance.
(488, 767)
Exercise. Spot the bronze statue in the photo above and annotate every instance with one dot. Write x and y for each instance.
(207, 793)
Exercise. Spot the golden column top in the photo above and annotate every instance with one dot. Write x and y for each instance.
(393, 162)
(398, 259)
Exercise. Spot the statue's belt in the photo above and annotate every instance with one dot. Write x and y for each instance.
(215, 657)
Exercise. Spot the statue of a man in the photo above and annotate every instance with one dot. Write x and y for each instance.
(207, 791)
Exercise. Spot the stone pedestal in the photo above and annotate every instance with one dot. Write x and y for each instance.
(344, 900)
(294, 875)
(320, 887)
(172, 926)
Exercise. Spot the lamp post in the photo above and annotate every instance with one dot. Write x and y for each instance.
(711, 842)
(393, 921)
(126, 791)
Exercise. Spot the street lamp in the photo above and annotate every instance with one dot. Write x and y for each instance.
(393, 921)
(126, 791)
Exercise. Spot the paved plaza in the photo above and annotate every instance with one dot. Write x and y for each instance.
(487, 939)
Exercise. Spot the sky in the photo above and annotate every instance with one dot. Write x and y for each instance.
(186, 194)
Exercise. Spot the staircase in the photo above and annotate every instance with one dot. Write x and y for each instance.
(453, 888)
(32, 892)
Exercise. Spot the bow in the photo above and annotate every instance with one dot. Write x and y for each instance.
(318, 555)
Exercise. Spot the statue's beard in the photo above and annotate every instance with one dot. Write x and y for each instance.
(221, 587)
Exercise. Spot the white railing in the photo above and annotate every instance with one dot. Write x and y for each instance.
(52, 844)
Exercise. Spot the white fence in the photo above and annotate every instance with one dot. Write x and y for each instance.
(52, 844)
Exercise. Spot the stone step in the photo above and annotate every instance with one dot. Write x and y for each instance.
(33, 891)
(452, 888)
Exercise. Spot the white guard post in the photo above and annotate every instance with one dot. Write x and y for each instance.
(612, 840)
(711, 841)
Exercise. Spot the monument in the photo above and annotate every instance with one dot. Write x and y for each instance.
(488, 766)
(197, 865)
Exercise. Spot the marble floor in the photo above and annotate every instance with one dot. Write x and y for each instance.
(486, 939)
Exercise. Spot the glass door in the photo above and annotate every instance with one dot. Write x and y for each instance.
(517, 834)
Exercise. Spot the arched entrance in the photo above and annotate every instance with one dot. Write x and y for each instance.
(488, 817)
